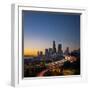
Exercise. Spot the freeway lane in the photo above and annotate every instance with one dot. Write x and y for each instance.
(41, 74)
(60, 63)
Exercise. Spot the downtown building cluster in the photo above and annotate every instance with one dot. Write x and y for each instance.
(56, 53)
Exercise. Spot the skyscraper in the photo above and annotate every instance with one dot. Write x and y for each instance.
(50, 51)
(60, 49)
(67, 51)
(38, 53)
(46, 52)
(54, 47)
(41, 53)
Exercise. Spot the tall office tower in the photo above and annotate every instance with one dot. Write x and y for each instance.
(50, 51)
(60, 49)
(54, 47)
(46, 52)
(67, 51)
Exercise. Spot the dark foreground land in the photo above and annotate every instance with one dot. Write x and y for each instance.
(61, 67)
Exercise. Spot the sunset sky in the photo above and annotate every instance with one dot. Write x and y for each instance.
(41, 28)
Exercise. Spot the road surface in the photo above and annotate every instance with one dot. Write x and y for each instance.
(41, 74)
(60, 63)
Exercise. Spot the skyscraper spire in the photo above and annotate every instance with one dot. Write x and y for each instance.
(54, 47)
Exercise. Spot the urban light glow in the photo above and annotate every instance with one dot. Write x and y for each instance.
(51, 44)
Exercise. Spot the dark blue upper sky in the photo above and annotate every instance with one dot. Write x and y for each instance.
(41, 28)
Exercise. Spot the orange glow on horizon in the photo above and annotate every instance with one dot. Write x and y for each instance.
(31, 52)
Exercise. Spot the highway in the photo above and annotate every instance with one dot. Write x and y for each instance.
(59, 63)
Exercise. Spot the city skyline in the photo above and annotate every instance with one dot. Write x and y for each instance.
(55, 48)
(41, 28)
